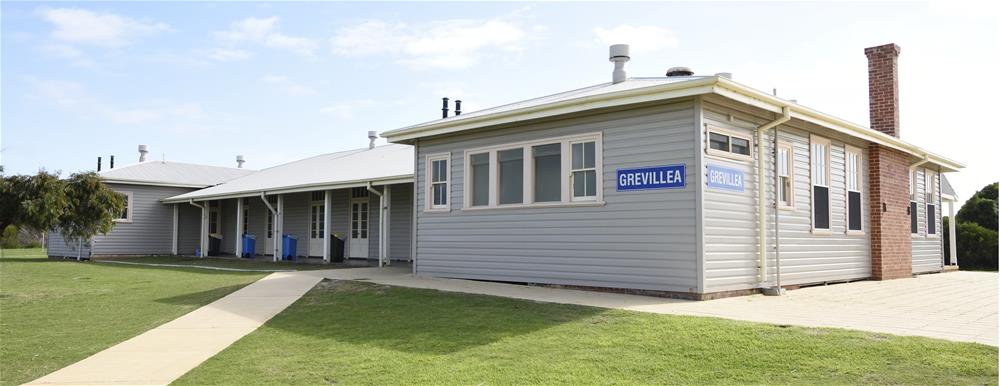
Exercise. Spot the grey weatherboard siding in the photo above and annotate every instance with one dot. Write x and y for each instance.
(928, 255)
(730, 222)
(638, 240)
(149, 233)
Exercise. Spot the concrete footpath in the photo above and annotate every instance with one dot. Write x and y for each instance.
(959, 306)
(163, 354)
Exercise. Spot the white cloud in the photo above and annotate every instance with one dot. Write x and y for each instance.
(288, 86)
(263, 31)
(74, 98)
(227, 55)
(80, 26)
(444, 44)
(641, 39)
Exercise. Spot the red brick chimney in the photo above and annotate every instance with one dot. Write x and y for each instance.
(883, 88)
(888, 172)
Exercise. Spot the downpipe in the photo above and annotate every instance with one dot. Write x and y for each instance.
(786, 115)
(201, 226)
(274, 228)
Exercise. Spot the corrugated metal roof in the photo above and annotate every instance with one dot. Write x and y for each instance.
(387, 162)
(598, 89)
(171, 173)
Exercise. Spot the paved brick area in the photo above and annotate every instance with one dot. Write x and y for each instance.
(960, 306)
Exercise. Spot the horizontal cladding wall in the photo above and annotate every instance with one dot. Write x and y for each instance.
(927, 249)
(56, 245)
(401, 221)
(638, 240)
(151, 229)
(188, 226)
(731, 224)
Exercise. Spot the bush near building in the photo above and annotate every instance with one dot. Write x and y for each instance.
(976, 230)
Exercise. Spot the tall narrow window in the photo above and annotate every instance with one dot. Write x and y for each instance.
(246, 219)
(820, 167)
(786, 172)
(511, 167)
(914, 224)
(584, 170)
(438, 171)
(931, 197)
(852, 170)
(270, 224)
(214, 217)
(480, 190)
(126, 213)
(548, 162)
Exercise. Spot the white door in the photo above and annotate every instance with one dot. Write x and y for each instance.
(316, 225)
(358, 244)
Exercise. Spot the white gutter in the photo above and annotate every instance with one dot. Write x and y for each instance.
(400, 179)
(786, 115)
(381, 223)
(274, 227)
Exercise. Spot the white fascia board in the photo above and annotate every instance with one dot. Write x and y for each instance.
(621, 98)
(154, 183)
(293, 189)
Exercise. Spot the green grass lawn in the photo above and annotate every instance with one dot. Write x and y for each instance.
(359, 333)
(54, 313)
(226, 262)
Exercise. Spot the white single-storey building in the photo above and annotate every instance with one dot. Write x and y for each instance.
(686, 185)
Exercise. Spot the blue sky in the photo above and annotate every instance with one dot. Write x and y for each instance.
(202, 82)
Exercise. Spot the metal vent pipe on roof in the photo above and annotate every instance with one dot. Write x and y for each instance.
(372, 136)
(458, 107)
(112, 163)
(444, 107)
(143, 150)
(618, 54)
(98, 163)
(679, 71)
(240, 160)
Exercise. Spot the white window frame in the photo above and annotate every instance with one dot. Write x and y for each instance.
(817, 140)
(129, 205)
(528, 196)
(597, 173)
(859, 183)
(217, 208)
(709, 129)
(429, 186)
(790, 165)
(931, 198)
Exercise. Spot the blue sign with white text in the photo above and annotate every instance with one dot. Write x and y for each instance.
(725, 178)
(657, 177)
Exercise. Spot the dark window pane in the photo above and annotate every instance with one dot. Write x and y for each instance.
(913, 217)
(854, 211)
(931, 219)
(440, 194)
(718, 141)
(511, 165)
(548, 162)
(585, 183)
(821, 207)
(589, 157)
(480, 179)
(741, 146)
(577, 153)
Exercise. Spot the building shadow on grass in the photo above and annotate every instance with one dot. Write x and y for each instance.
(417, 320)
(201, 297)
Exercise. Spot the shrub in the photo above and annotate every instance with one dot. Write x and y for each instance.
(9, 238)
(977, 246)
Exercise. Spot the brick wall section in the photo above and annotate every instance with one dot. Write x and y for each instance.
(891, 249)
(883, 88)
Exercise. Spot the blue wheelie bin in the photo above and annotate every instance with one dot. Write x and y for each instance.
(288, 245)
(249, 245)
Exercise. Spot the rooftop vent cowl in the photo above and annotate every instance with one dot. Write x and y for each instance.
(143, 150)
(619, 55)
(679, 71)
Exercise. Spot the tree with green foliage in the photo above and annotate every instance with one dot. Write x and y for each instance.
(80, 206)
(976, 230)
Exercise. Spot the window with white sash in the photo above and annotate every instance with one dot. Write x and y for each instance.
(852, 170)
(126, 214)
(786, 175)
(931, 198)
(819, 164)
(553, 171)
(439, 181)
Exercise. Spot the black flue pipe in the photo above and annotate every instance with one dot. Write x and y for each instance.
(98, 163)
(444, 107)
(112, 163)
(458, 107)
